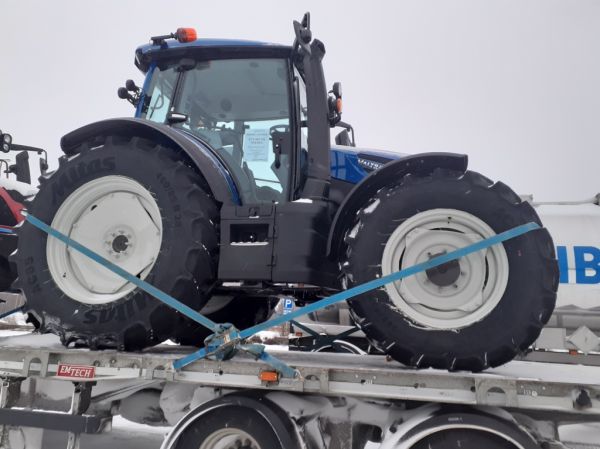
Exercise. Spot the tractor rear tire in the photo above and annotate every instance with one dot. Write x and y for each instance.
(136, 204)
(472, 314)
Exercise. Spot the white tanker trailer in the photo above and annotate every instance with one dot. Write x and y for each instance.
(575, 229)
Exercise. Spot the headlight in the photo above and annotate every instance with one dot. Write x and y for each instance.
(7, 139)
(5, 147)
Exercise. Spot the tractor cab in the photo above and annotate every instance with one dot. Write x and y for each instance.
(247, 104)
(241, 109)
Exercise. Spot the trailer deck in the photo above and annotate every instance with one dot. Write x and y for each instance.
(542, 387)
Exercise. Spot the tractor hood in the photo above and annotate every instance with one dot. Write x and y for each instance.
(352, 164)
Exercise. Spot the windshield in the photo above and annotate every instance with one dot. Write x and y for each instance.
(158, 97)
(240, 107)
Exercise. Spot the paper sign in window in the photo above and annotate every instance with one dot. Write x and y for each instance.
(256, 145)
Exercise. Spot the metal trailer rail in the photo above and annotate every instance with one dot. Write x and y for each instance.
(542, 391)
(544, 388)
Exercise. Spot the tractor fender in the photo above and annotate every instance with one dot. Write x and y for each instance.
(419, 164)
(208, 163)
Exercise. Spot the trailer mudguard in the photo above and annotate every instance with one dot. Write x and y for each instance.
(208, 163)
(419, 164)
(434, 420)
(254, 401)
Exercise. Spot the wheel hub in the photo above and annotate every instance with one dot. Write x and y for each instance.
(457, 293)
(230, 438)
(108, 215)
(120, 244)
(444, 275)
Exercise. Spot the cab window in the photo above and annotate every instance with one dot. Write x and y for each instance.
(240, 108)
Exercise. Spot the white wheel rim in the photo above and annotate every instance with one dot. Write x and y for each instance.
(115, 217)
(229, 438)
(457, 295)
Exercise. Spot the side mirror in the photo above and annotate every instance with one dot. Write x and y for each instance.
(334, 102)
(21, 167)
(343, 138)
(337, 89)
(43, 166)
(130, 92)
(130, 86)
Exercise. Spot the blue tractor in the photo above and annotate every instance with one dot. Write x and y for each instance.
(225, 191)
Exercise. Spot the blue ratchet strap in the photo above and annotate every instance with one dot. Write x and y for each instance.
(371, 285)
(344, 295)
(6, 231)
(258, 351)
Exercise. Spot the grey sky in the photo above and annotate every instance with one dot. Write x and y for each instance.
(514, 84)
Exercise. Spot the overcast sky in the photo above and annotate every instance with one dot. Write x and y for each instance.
(514, 84)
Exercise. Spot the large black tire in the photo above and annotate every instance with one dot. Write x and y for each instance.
(185, 267)
(243, 312)
(235, 422)
(468, 429)
(464, 439)
(515, 322)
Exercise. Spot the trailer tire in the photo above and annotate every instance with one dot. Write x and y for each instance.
(465, 428)
(109, 178)
(464, 439)
(468, 315)
(239, 422)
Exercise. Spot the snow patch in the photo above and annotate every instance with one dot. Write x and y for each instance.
(21, 187)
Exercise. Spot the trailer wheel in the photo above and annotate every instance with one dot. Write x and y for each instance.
(468, 314)
(239, 423)
(465, 439)
(465, 428)
(134, 203)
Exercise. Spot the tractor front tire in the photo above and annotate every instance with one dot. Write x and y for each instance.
(469, 314)
(133, 202)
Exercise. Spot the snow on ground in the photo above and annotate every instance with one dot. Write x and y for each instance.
(581, 433)
(26, 338)
(124, 435)
(15, 319)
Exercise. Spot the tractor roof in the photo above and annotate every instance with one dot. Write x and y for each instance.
(168, 49)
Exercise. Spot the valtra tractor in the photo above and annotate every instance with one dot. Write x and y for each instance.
(225, 192)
